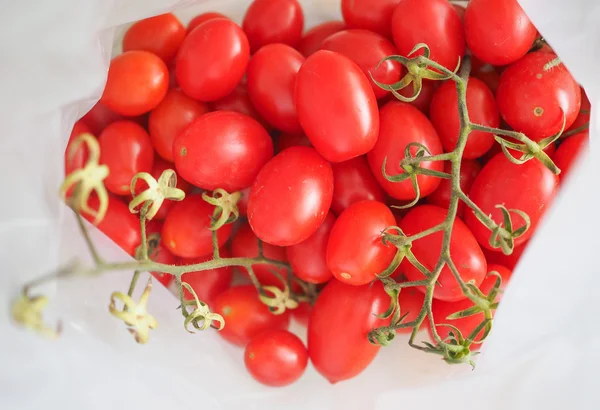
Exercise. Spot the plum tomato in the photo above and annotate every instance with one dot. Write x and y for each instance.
(273, 21)
(569, 150)
(201, 18)
(469, 169)
(353, 181)
(210, 283)
(373, 15)
(311, 40)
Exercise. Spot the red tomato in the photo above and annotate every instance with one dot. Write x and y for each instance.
(161, 35)
(355, 251)
(239, 101)
(411, 301)
(584, 113)
(208, 284)
(243, 202)
(498, 31)
(402, 124)
(497, 184)
(186, 230)
(313, 38)
(201, 18)
(302, 313)
(99, 117)
(423, 101)
(373, 15)
(127, 149)
(510, 261)
(222, 149)
(276, 358)
(465, 251)
(353, 181)
(137, 82)
(460, 9)
(76, 159)
(569, 151)
(245, 315)
(482, 110)
(271, 78)
(285, 141)
(162, 255)
(433, 22)
(273, 21)
(308, 257)
(533, 100)
(489, 75)
(175, 112)
(469, 169)
(290, 197)
(212, 60)
(353, 130)
(367, 49)
(338, 347)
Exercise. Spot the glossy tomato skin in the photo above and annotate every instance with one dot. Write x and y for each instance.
(161, 35)
(532, 100)
(271, 79)
(498, 31)
(339, 348)
(212, 60)
(373, 15)
(311, 40)
(402, 124)
(239, 101)
(201, 18)
(285, 141)
(126, 149)
(245, 315)
(222, 149)
(496, 184)
(444, 116)
(208, 284)
(186, 230)
(175, 112)
(355, 251)
(276, 358)
(77, 158)
(568, 152)
(469, 169)
(584, 112)
(353, 181)
(353, 130)
(433, 22)
(367, 49)
(273, 21)
(137, 82)
(290, 197)
(466, 253)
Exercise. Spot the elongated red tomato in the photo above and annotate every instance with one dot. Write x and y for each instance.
(273, 21)
(271, 79)
(373, 15)
(464, 249)
(355, 251)
(533, 98)
(353, 181)
(432, 22)
(444, 116)
(339, 348)
(498, 31)
(496, 185)
(569, 151)
(340, 125)
(212, 60)
(469, 169)
(402, 124)
(201, 18)
(222, 149)
(313, 38)
(210, 283)
(367, 49)
(161, 35)
(290, 197)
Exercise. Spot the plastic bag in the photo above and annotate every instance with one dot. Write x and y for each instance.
(543, 351)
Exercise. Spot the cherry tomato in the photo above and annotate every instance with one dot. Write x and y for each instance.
(99, 117)
(239, 101)
(466, 253)
(569, 151)
(273, 21)
(469, 169)
(338, 347)
(208, 284)
(276, 358)
(498, 31)
(313, 38)
(584, 113)
(290, 197)
(410, 301)
(245, 315)
(353, 181)
(529, 188)
(137, 82)
(161, 35)
(355, 251)
(175, 112)
(510, 261)
(271, 78)
(285, 141)
(353, 130)
(302, 313)
(373, 15)
(245, 245)
(402, 124)
(222, 149)
(534, 100)
(482, 110)
(186, 230)
(423, 101)
(367, 49)
(212, 60)
(76, 159)
(127, 149)
(433, 22)
(201, 18)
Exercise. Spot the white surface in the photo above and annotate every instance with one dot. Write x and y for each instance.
(543, 352)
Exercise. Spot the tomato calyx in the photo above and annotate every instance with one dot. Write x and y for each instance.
(153, 197)
(226, 209)
(201, 318)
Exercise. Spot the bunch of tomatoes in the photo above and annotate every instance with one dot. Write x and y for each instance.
(294, 121)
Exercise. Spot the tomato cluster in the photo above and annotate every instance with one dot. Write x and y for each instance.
(297, 124)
